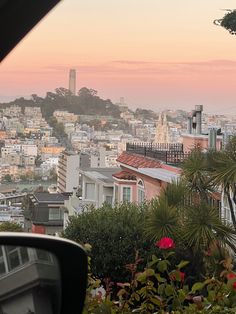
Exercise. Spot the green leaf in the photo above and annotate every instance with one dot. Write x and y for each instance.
(162, 266)
(169, 290)
(136, 296)
(159, 278)
(149, 272)
(121, 292)
(142, 277)
(154, 258)
(182, 295)
(182, 264)
(161, 289)
(156, 301)
(197, 286)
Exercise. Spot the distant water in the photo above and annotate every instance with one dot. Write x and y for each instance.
(22, 186)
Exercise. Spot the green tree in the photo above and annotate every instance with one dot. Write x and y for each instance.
(228, 21)
(115, 234)
(8, 178)
(10, 227)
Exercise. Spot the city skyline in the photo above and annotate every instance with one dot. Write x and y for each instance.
(155, 64)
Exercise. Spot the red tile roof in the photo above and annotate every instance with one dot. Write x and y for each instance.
(138, 161)
(124, 175)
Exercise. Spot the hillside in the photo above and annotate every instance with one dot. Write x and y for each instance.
(86, 102)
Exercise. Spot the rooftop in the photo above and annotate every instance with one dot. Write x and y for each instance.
(124, 175)
(101, 174)
(45, 197)
(168, 153)
(160, 174)
(138, 161)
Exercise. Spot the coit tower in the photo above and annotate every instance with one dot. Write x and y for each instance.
(72, 81)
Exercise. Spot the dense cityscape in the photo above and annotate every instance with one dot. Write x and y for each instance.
(132, 158)
(67, 154)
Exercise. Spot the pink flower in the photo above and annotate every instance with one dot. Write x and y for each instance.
(165, 243)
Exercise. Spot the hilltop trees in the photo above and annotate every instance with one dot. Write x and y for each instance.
(86, 102)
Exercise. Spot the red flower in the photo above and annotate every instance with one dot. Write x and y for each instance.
(165, 243)
(181, 274)
(234, 285)
(231, 276)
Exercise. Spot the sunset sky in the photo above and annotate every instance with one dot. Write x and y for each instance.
(155, 53)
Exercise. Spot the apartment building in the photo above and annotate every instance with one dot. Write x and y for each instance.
(68, 174)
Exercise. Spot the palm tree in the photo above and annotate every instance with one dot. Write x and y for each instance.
(163, 220)
(193, 225)
(196, 173)
(203, 226)
(224, 175)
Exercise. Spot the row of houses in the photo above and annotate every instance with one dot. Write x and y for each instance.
(137, 178)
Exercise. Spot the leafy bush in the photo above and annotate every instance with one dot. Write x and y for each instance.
(161, 289)
(115, 234)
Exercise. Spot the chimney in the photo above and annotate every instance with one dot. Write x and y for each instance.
(189, 125)
(212, 139)
(198, 110)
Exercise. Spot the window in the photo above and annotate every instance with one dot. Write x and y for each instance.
(55, 214)
(2, 263)
(116, 193)
(126, 194)
(141, 196)
(140, 183)
(90, 191)
(16, 256)
(141, 193)
(108, 199)
(43, 255)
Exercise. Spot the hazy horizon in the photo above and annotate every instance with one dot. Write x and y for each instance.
(157, 56)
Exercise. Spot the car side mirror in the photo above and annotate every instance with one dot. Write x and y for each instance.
(41, 274)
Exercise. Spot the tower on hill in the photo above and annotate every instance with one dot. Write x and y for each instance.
(72, 81)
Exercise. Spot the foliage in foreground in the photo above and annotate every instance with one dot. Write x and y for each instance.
(114, 233)
(161, 289)
(9, 226)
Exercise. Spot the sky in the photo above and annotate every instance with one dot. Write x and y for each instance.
(158, 54)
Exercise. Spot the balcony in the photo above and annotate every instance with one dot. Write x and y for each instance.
(171, 154)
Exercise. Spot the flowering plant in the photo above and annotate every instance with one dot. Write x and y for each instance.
(165, 243)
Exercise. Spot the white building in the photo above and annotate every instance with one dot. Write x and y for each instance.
(29, 149)
(68, 174)
(97, 185)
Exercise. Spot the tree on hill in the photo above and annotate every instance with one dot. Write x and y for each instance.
(8, 178)
(86, 102)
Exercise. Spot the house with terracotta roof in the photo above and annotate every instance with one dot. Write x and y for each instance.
(142, 177)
